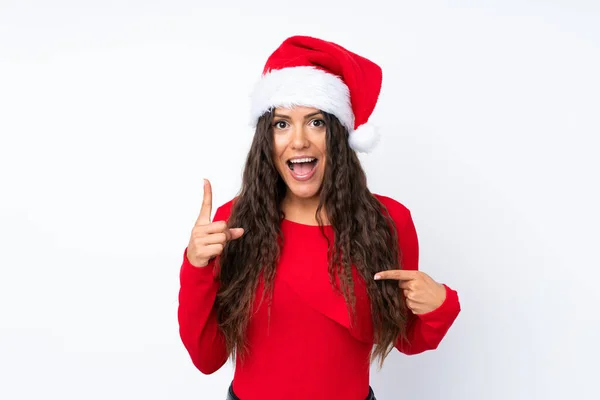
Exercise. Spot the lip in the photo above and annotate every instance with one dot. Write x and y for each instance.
(302, 156)
(302, 178)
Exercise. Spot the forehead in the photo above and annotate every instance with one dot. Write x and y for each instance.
(296, 111)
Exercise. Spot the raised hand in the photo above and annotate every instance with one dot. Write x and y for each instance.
(422, 293)
(208, 238)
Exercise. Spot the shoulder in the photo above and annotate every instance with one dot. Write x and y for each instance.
(398, 211)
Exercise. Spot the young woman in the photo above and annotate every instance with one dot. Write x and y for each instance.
(306, 277)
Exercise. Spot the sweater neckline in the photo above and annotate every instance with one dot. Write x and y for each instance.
(304, 226)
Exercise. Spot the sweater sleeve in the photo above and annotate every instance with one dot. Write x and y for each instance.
(424, 331)
(197, 317)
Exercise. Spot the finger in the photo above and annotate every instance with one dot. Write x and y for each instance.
(214, 250)
(410, 285)
(235, 233)
(206, 209)
(398, 274)
(214, 238)
(413, 305)
(213, 227)
(407, 293)
(220, 231)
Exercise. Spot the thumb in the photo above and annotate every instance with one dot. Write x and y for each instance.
(236, 233)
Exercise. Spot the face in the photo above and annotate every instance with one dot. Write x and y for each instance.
(299, 149)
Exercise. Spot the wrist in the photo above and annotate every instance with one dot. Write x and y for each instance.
(442, 294)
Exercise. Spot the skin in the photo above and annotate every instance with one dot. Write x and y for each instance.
(208, 238)
(421, 292)
(301, 131)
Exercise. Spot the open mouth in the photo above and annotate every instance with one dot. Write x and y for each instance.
(302, 168)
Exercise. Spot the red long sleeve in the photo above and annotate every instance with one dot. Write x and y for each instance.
(307, 348)
(425, 331)
(198, 327)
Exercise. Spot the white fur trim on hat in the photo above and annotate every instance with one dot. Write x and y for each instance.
(302, 86)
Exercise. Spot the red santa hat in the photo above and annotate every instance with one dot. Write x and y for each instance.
(306, 71)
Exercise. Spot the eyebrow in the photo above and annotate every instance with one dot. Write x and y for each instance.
(305, 117)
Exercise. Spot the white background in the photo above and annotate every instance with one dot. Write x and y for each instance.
(112, 112)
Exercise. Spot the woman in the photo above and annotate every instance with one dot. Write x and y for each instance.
(306, 277)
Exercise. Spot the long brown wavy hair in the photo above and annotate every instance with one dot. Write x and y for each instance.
(364, 236)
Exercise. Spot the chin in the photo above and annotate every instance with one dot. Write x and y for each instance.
(304, 191)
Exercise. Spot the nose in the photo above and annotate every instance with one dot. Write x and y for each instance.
(299, 138)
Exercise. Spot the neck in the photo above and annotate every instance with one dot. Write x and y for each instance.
(302, 210)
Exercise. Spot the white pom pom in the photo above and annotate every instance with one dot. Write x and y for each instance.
(364, 138)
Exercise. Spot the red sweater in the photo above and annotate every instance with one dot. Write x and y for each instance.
(310, 350)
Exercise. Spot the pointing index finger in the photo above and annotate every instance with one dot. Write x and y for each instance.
(206, 209)
(397, 274)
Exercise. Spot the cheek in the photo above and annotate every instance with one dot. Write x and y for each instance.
(279, 145)
(323, 147)
(321, 141)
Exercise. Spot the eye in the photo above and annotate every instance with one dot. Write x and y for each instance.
(318, 123)
(280, 124)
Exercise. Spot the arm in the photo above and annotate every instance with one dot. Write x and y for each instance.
(424, 331)
(198, 327)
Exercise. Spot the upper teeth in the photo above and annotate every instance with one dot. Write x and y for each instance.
(301, 160)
